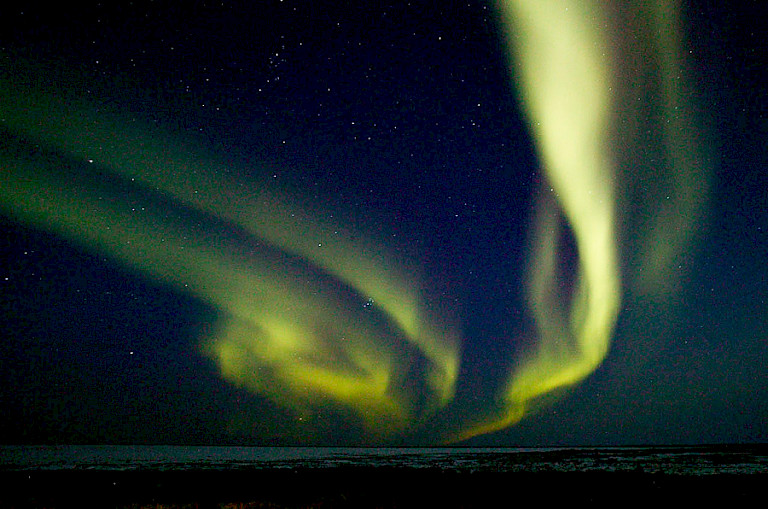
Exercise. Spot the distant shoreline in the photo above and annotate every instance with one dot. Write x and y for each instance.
(694, 460)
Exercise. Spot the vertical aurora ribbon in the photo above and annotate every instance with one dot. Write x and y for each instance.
(569, 61)
(562, 66)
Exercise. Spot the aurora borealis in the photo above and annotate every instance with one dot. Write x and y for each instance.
(296, 321)
(460, 234)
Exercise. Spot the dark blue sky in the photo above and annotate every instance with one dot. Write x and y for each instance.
(401, 122)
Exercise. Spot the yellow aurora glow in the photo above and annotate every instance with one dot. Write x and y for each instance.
(330, 328)
(296, 321)
(569, 77)
(564, 77)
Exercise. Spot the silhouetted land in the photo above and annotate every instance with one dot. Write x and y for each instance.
(366, 487)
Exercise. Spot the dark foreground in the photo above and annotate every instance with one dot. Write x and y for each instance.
(363, 487)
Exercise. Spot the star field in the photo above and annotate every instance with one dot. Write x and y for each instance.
(365, 165)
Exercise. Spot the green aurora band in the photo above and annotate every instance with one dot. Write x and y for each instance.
(561, 53)
(576, 63)
(296, 326)
(309, 318)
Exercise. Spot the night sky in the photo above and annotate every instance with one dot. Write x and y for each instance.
(344, 223)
